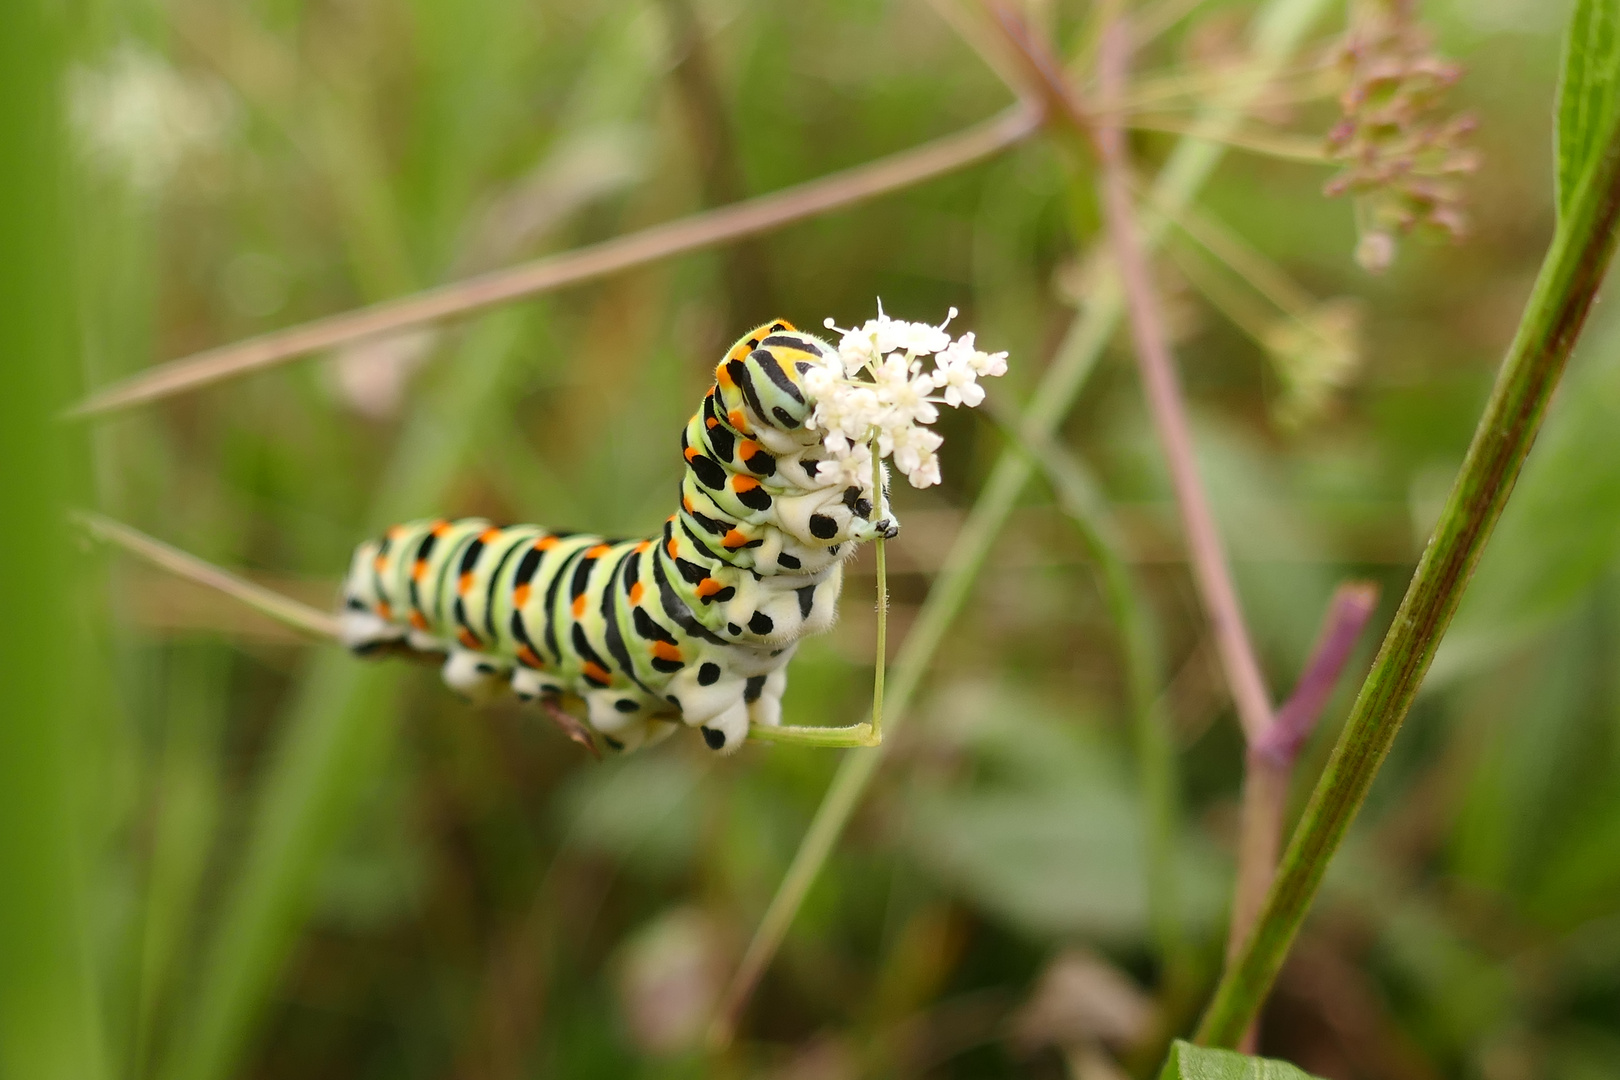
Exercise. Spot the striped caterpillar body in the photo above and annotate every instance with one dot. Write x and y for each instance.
(694, 625)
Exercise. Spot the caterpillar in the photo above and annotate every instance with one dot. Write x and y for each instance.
(694, 625)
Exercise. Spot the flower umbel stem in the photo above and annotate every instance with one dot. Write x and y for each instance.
(882, 602)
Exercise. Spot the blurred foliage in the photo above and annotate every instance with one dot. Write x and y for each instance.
(470, 896)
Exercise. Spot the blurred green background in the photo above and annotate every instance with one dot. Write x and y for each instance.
(298, 865)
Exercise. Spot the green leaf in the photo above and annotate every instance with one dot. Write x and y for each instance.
(1589, 91)
(1189, 1062)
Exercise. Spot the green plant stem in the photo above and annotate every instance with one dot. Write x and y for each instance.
(1569, 279)
(1084, 506)
(826, 737)
(285, 610)
(882, 557)
(1279, 27)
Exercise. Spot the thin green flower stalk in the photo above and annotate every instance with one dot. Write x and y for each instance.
(1279, 27)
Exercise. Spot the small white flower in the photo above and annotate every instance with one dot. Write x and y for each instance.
(904, 399)
(914, 455)
(878, 389)
(963, 352)
(854, 467)
(961, 385)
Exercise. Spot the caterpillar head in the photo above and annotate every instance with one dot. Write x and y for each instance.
(760, 384)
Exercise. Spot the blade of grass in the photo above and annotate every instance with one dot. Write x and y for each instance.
(1083, 504)
(1570, 276)
(187, 789)
(332, 742)
(694, 233)
(1279, 27)
(49, 1027)
(301, 617)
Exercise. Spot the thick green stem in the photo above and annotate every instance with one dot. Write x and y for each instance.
(1568, 282)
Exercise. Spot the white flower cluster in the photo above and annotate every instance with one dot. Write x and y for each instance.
(875, 386)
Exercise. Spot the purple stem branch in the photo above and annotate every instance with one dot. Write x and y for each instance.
(1352, 605)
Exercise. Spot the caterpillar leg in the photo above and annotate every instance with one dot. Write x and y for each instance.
(362, 631)
(640, 734)
(614, 711)
(726, 731)
(529, 684)
(766, 709)
(474, 676)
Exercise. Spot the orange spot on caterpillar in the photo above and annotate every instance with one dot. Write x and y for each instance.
(643, 546)
(395, 531)
(441, 527)
(419, 621)
(598, 551)
(738, 420)
(419, 571)
(672, 548)
(545, 543)
(384, 611)
(489, 535)
(708, 587)
(464, 584)
(529, 658)
(637, 591)
(686, 504)
(467, 640)
(598, 672)
(520, 596)
(747, 449)
(734, 539)
(711, 423)
(379, 563)
(722, 377)
(691, 452)
(740, 483)
(579, 606)
(665, 651)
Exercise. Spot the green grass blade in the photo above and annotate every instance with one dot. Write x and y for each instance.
(1081, 501)
(333, 742)
(49, 1028)
(1570, 276)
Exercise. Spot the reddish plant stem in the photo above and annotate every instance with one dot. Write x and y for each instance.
(1269, 763)
(1274, 740)
(1206, 553)
(694, 233)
